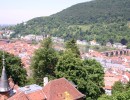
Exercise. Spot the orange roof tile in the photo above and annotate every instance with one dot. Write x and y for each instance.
(37, 95)
(61, 89)
(19, 96)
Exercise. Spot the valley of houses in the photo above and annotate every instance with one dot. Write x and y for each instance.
(116, 65)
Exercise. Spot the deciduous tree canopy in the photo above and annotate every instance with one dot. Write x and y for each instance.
(87, 75)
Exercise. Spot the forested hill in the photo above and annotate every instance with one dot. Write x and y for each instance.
(103, 20)
(96, 11)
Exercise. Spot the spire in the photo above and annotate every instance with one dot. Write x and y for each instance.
(4, 85)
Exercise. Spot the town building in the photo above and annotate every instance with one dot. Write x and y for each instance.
(81, 42)
(119, 46)
(93, 43)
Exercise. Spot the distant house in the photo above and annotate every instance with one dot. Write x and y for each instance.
(1, 34)
(119, 46)
(7, 33)
(79, 42)
(32, 37)
(93, 42)
(57, 40)
(108, 44)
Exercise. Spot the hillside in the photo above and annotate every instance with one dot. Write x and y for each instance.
(96, 11)
(102, 20)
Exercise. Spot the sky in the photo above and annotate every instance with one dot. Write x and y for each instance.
(17, 11)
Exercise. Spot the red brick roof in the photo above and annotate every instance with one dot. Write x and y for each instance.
(61, 89)
(58, 89)
(19, 96)
(37, 95)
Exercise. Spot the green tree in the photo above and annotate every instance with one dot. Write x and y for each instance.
(95, 79)
(123, 41)
(14, 68)
(87, 75)
(105, 97)
(44, 61)
(123, 95)
(68, 66)
(117, 87)
(71, 44)
(127, 86)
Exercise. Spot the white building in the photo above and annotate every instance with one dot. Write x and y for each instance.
(32, 37)
(93, 42)
(79, 42)
(57, 39)
(119, 46)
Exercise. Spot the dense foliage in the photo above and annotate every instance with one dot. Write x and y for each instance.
(44, 61)
(96, 11)
(87, 75)
(118, 86)
(71, 44)
(14, 68)
(103, 20)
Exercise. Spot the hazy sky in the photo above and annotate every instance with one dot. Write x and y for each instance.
(17, 11)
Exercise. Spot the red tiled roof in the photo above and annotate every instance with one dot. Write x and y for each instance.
(61, 89)
(37, 95)
(3, 97)
(58, 89)
(19, 96)
(127, 74)
(108, 87)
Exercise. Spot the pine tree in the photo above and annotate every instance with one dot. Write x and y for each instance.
(44, 61)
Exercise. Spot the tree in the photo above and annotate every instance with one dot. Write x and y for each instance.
(105, 97)
(95, 78)
(44, 61)
(127, 86)
(111, 41)
(87, 75)
(68, 66)
(71, 44)
(124, 41)
(117, 87)
(14, 68)
(123, 95)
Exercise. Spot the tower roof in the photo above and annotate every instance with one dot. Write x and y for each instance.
(4, 84)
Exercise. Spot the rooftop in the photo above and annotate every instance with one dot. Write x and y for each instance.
(30, 88)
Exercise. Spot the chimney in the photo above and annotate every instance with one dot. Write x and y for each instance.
(45, 80)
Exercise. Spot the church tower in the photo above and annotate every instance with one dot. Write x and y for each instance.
(4, 84)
